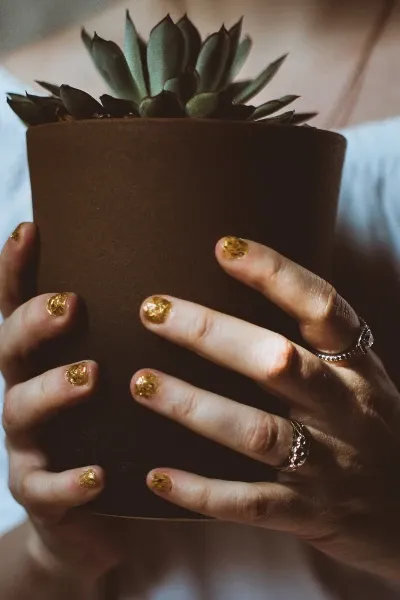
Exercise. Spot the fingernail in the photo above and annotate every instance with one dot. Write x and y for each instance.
(147, 385)
(89, 479)
(157, 309)
(78, 374)
(234, 248)
(57, 305)
(16, 234)
(160, 482)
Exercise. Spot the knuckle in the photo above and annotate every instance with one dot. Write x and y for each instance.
(261, 436)
(25, 491)
(253, 507)
(186, 410)
(203, 501)
(9, 417)
(329, 306)
(282, 361)
(203, 327)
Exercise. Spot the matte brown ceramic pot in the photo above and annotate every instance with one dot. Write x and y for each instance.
(131, 208)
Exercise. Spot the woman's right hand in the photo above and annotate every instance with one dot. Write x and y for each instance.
(61, 539)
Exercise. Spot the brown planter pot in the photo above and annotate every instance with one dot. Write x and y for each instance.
(131, 208)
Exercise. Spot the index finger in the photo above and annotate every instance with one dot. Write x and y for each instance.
(18, 268)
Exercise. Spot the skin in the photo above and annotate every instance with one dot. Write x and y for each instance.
(343, 501)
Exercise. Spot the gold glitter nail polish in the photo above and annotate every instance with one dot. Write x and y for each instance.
(57, 305)
(234, 248)
(89, 479)
(157, 309)
(16, 233)
(78, 374)
(161, 483)
(147, 385)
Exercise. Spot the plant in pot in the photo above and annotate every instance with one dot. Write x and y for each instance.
(131, 195)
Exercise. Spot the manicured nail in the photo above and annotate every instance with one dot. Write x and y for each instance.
(160, 482)
(57, 305)
(88, 479)
(234, 248)
(16, 234)
(78, 374)
(147, 385)
(157, 309)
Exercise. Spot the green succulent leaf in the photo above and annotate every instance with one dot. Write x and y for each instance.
(242, 54)
(119, 108)
(25, 109)
(165, 54)
(237, 112)
(185, 86)
(269, 108)
(192, 39)
(299, 118)
(134, 56)
(87, 40)
(204, 105)
(234, 89)
(261, 81)
(80, 104)
(111, 62)
(212, 61)
(164, 105)
(50, 87)
(283, 119)
(235, 33)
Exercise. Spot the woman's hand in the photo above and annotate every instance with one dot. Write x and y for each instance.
(63, 541)
(345, 498)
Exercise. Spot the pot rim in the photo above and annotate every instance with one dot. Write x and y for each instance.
(140, 121)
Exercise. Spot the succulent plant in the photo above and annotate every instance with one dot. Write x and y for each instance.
(175, 74)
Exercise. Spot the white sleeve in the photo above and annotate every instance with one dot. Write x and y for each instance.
(15, 207)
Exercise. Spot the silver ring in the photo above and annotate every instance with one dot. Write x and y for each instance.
(364, 343)
(300, 450)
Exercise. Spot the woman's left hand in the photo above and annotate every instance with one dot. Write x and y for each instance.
(345, 498)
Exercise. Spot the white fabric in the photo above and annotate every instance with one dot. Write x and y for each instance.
(221, 561)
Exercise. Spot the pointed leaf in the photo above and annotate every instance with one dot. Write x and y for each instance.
(165, 54)
(25, 109)
(261, 81)
(234, 89)
(133, 53)
(185, 86)
(283, 119)
(80, 104)
(119, 108)
(235, 33)
(299, 118)
(212, 60)
(164, 105)
(111, 62)
(87, 40)
(50, 87)
(192, 40)
(143, 53)
(242, 55)
(269, 108)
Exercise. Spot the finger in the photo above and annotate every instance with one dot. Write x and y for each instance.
(38, 320)
(28, 404)
(270, 505)
(18, 266)
(327, 322)
(48, 496)
(266, 357)
(252, 432)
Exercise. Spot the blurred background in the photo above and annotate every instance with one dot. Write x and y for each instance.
(344, 54)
